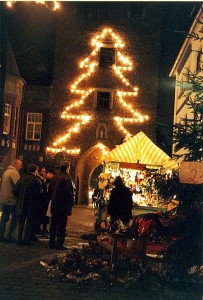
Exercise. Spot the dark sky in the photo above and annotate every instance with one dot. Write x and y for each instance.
(31, 28)
(177, 19)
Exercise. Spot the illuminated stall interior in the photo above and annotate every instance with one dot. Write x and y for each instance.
(139, 161)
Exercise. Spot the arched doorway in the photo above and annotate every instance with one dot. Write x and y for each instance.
(87, 163)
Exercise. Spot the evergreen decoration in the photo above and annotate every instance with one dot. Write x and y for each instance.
(106, 53)
(188, 134)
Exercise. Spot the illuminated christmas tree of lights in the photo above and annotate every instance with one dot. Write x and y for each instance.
(89, 65)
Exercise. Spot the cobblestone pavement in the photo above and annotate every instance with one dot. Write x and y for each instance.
(23, 278)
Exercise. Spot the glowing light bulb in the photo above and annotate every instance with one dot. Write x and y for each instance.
(56, 5)
(9, 4)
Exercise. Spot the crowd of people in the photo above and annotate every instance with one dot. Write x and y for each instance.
(26, 199)
(39, 202)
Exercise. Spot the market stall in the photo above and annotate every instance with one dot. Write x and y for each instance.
(141, 163)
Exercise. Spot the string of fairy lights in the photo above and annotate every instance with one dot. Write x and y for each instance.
(52, 5)
(89, 64)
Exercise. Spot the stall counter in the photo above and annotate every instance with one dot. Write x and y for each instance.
(139, 210)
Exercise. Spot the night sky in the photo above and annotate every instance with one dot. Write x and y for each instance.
(31, 29)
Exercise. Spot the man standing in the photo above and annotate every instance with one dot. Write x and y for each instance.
(8, 200)
(61, 191)
(27, 191)
(120, 203)
(41, 176)
(45, 218)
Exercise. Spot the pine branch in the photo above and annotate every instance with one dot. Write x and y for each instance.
(187, 135)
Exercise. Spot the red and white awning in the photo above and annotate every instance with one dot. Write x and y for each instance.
(140, 149)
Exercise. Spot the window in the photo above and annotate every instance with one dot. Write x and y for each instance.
(181, 88)
(199, 63)
(103, 100)
(187, 75)
(7, 118)
(34, 126)
(15, 123)
(107, 57)
(101, 132)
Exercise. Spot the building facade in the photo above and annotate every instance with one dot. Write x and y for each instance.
(11, 90)
(90, 70)
(92, 114)
(34, 124)
(24, 104)
(189, 61)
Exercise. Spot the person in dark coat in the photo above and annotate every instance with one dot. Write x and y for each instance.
(120, 202)
(42, 221)
(40, 203)
(45, 218)
(27, 192)
(61, 192)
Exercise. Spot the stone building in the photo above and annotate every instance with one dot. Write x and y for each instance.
(24, 104)
(46, 97)
(11, 95)
(139, 28)
(34, 124)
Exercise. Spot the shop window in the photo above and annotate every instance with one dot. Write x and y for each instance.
(34, 126)
(107, 57)
(103, 100)
(7, 118)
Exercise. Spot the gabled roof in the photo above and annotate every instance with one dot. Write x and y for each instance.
(11, 65)
(186, 44)
(140, 149)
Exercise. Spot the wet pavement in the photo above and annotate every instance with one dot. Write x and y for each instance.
(23, 278)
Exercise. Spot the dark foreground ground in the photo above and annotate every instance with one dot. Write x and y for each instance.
(23, 278)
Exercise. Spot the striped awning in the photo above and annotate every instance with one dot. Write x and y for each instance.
(140, 149)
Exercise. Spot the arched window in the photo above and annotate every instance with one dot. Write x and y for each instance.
(101, 132)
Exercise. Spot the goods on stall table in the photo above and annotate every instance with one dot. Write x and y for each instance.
(145, 199)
